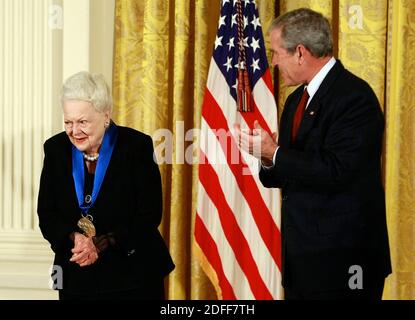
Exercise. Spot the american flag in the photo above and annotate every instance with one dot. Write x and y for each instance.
(237, 225)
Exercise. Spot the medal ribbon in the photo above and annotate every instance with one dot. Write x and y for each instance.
(78, 171)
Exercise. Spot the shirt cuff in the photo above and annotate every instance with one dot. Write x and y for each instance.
(273, 161)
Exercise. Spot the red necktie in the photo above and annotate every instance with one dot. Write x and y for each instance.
(299, 114)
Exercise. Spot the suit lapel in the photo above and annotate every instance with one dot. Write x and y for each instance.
(310, 114)
(313, 108)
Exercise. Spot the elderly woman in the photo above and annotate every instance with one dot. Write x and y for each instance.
(100, 201)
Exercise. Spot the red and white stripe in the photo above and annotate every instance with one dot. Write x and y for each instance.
(237, 225)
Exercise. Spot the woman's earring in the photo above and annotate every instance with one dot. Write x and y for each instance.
(106, 125)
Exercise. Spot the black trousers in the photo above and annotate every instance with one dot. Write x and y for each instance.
(155, 292)
(373, 292)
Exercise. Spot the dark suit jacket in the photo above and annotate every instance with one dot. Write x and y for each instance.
(333, 208)
(129, 204)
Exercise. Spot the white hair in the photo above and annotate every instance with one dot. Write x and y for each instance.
(90, 87)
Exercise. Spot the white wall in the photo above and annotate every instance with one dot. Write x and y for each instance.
(42, 42)
(88, 37)
(102, 35)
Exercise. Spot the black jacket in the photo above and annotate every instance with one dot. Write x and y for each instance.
(129, 205)
(333, 208)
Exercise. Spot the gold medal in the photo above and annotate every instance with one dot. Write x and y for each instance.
(87, 227)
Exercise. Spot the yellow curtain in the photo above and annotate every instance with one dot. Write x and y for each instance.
(400, 148)
(162, 52)
(161, 59)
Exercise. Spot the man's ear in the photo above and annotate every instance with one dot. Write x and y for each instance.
(301, 52)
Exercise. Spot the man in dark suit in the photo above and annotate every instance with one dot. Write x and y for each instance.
(327, 162)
